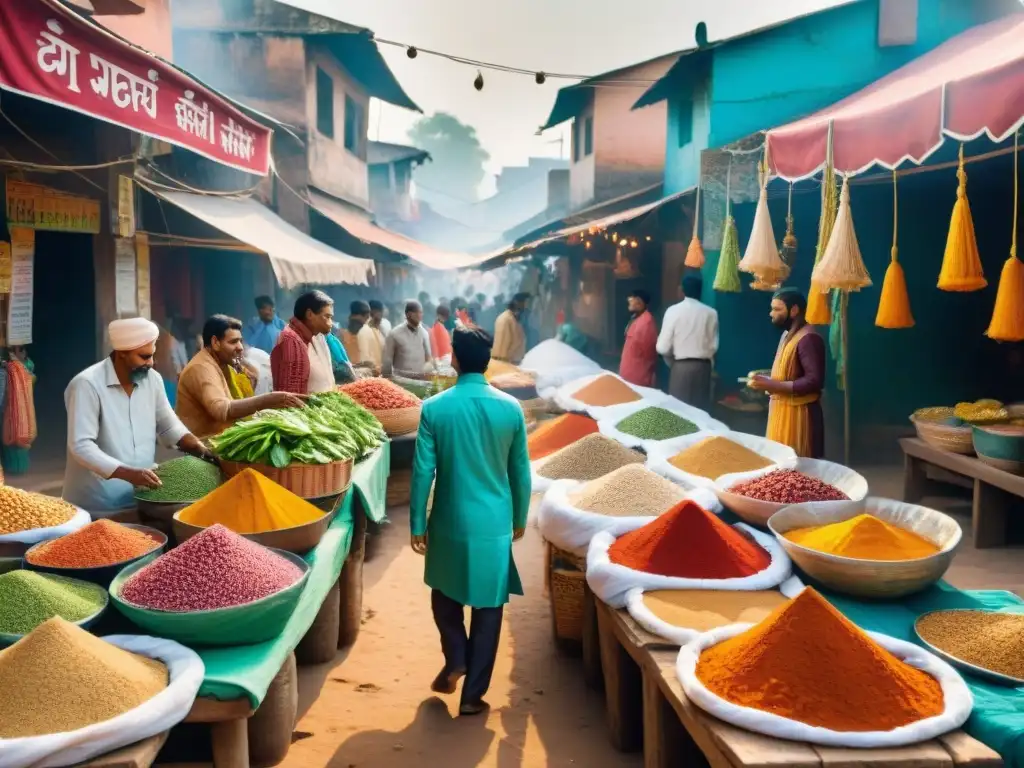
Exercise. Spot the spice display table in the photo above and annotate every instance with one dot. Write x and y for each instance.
(676, 732)
(141, 754)
(995, 491)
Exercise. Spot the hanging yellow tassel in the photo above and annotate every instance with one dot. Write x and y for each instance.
(894, 304)
(695, 251)
(788, 250)
(727, 276)
(842, 266)
(1008, 315)
(762, 255)
(819, 310)
(961, 264)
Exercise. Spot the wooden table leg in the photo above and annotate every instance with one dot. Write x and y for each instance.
(622, 687)
(989, 512)
(271, 726)
(666, 742)
(915, 480)
(591, 642)
(320, 643)
(351, 581)
(230, 743)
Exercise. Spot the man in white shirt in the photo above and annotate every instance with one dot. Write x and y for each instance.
(117, 410)
(407, 350)
(688, 342)
(372, 337)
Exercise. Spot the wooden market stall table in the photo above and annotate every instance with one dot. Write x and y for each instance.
(995, 490)
(646, 707)
(239, 679)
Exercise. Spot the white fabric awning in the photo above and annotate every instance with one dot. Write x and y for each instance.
(296, 257)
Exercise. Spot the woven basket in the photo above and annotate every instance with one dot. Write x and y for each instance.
(945, 437)
(566, 578)
(399, 421)
(310, 481)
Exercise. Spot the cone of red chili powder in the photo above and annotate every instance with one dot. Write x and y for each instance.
(691, 543)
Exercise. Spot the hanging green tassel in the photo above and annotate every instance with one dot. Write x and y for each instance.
(835, 338)
(727, 277)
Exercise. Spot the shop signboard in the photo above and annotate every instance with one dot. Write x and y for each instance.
(125, 284)
(38, 207)
(19, 306)
(52, 54)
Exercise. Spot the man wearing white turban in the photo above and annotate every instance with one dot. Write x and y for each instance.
(117, 410)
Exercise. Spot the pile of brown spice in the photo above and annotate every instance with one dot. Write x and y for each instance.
(588, 459)
(606, 390)
(993, 641)
(715, 456)
(630, 491)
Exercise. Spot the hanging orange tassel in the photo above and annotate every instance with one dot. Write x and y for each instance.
(894, 304)
(1008, 315)
(695, 251)
(961, 264)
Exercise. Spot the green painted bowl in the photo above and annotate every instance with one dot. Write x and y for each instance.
(1000, 445)
(9, 638)
(246, 624)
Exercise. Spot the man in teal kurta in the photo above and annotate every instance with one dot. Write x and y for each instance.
(472, 439)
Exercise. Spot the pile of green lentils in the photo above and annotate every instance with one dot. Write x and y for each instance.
(184, 479)
(655, 423)
(27, 599)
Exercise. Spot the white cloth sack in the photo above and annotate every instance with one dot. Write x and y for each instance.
(612, 415)
(612, 582)
(555, 363)
(659, 453)
(845, 479)
(80, 519)
(165, 710)
(565, 400)
(571, 528)
(958, 698)
(260, 360)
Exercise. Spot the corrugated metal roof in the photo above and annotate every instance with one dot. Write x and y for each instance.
(381, 153)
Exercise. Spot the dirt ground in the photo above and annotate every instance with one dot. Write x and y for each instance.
(376, 710)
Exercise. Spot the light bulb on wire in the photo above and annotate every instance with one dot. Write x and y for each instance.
(540, 77)
(411, 52)
(479, 82)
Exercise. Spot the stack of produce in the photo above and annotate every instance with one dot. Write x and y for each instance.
(606, 390)
(98, 544)
(807, 662)
(27, 599)
(214, 569)
(691, 543)
(60, 678)
(556, 434)
(787, 486)
(630, 491)
(251, 503)
(378, 394)
(331, 427)
(588, 459)
(655, 423)
(864, 537)
(993, 641)
(25, 511)
(715, 456)
(704, 609)
(183, 479)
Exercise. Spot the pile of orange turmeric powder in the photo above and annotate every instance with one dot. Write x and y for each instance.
(808, 662)
(251, 503)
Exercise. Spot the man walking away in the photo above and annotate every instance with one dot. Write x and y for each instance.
(407, 350)
(688, 342)
(509, 335)
(262, 331)
(301, 360)
(639, 354)
(472, 447)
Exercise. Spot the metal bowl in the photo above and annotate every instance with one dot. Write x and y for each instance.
(299, 539)
(966, 666)
(870, 578)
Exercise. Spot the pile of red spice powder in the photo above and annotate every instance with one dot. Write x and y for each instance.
(691, 543)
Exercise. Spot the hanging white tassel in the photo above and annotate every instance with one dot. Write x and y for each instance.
(762, 258)
(842, 266)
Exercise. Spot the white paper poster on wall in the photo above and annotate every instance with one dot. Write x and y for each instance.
(125, 279)
(19, 308)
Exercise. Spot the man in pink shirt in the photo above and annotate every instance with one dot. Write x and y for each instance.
(639, 354)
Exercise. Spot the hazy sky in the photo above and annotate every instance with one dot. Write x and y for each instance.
(549, 35)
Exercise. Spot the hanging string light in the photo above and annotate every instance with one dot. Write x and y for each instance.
(478, 83)
(411, 52)
(894, 303)
(540, 78)
(1008, 315)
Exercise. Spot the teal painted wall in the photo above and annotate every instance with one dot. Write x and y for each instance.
(785, 73)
